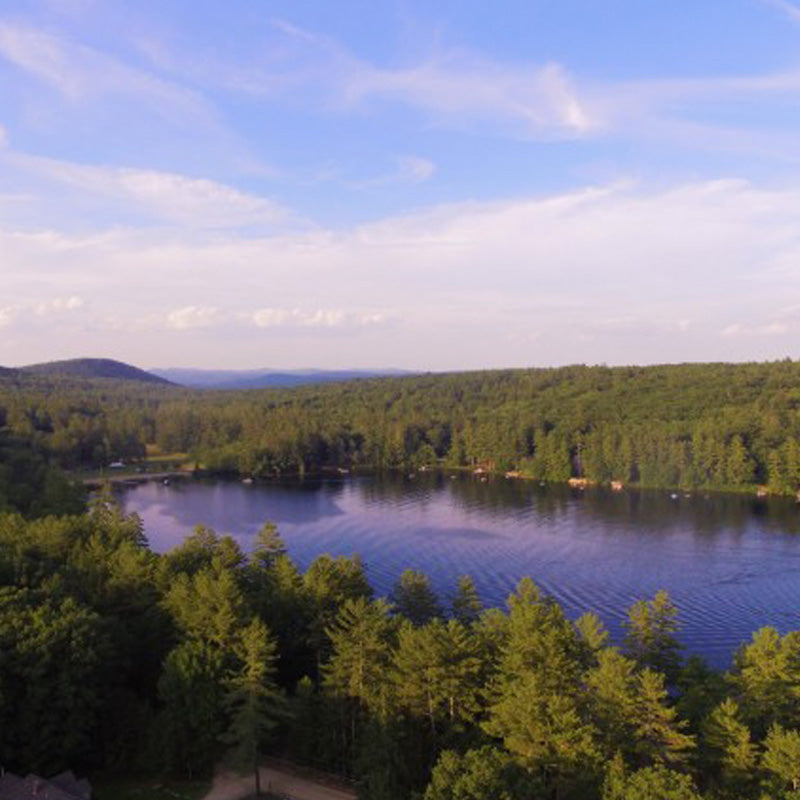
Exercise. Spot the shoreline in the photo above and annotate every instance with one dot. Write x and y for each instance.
(757, 492)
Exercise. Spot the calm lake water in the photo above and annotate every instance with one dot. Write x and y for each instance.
(731, 563)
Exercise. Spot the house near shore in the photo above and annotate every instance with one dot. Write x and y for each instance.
(64, 786)
(578, 483)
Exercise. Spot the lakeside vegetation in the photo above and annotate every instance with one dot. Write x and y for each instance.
(690, 426)
(119, 660)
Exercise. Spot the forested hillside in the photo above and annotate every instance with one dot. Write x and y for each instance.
(94, 368)
(717, 426)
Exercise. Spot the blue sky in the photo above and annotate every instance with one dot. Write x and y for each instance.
(423, 185)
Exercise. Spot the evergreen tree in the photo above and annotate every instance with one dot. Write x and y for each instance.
(191, 690)
(466, 606)
(659, 736)
(267, 546)
(781, 758)
(592, 635)
(484, 774)
(360, 638)
(650, 783)
(729, 750)
(650, 638)
(254, 702)
(766, 678)
(414, 598)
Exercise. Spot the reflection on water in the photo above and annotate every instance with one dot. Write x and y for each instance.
(730, 562)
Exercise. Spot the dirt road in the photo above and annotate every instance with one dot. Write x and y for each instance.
(276, 779)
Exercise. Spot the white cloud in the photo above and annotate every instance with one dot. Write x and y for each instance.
(190, 317)
(774, 328)
(625, 264)
(197, 202)
(7, 315)
(319, 318)
(58, 305)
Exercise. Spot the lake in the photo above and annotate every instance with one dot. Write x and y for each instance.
(731, 563)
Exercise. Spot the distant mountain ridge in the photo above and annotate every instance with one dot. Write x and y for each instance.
(265, 378)
(94, 368)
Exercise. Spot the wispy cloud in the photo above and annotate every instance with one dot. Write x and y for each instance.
(454, 86)
(317, 318)
(567, 267)
(48, 311)
(407, 170)
(58, 305)
(191, 317)
(541, 99)
(415, 168)
(196, 202)
(789, 9)
(80, 73)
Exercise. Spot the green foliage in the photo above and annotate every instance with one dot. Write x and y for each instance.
(254, 703)
(484, 774)
(466, 606)
(650, 639)
(767, 680)
(361, 638)
(730, 752)
(650, 783)
(50, 680)
(710, 426)
(781, 758)
(191, 721)
(116, 657)
(414, 598)
(437, 673)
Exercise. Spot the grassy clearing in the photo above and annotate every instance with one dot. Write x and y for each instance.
(149, 789)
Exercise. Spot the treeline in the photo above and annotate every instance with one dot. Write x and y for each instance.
(113, 657)
(31, 484)
(711, 426)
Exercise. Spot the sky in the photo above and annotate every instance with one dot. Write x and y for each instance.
(399, 183)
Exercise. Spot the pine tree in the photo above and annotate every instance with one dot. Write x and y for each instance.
(650, 783)
(414, 598)
(484, 774)
(650, 638)
(466, 606)
(729, 748)
(267, 546)
(254, 702)
(361, 652)
(766, 677)
(782, 757)
(191, 689)
(659, 736)
(593, 636)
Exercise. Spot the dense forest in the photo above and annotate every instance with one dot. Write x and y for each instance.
(113, 657)
(710, 426)
(118, 659)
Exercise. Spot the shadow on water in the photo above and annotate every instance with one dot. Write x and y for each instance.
(730, 562)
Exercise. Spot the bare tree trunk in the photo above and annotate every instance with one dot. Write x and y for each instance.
(258, 779)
